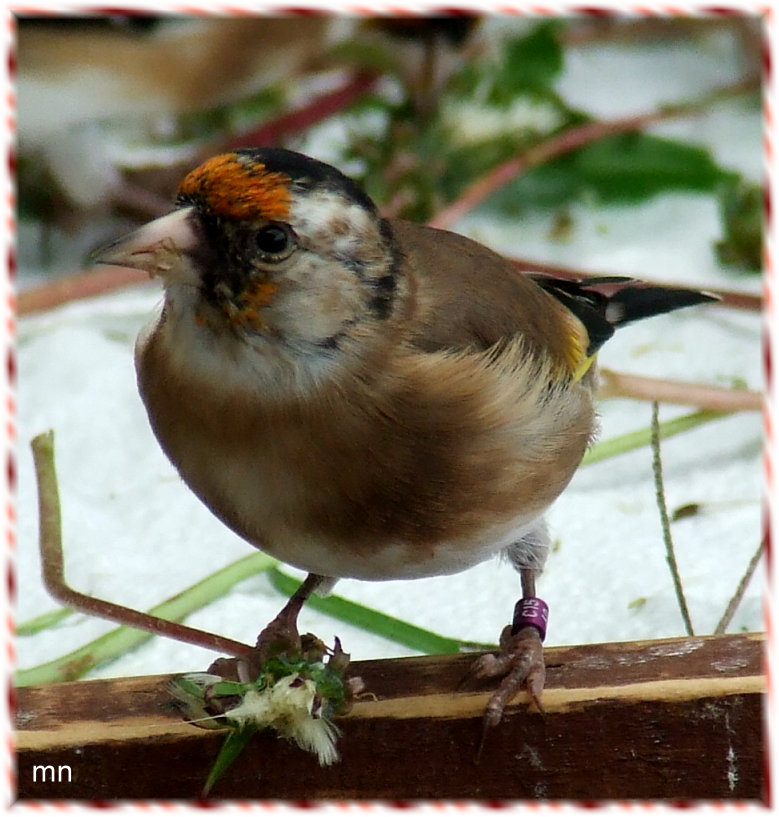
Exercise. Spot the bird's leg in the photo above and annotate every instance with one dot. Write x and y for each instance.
(521, 657)
(279, 636)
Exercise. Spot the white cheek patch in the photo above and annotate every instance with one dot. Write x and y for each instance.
(258, 366)
(322, 304)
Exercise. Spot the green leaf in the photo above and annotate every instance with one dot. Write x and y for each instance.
(532, 62)
(526, 65)
(627, 167)
(234, 744)
(741, 214)
(637, 165)
(189, 694)
(227, 688)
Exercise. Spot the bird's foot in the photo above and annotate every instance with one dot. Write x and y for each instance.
(296, 695)
(519, 663)
(280, 638)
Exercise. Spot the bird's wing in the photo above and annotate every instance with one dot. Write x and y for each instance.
(475, 300)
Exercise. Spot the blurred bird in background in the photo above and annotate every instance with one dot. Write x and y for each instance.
(111, 109)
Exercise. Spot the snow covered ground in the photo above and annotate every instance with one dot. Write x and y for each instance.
(134, 533)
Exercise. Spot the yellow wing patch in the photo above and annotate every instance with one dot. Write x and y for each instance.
(583, 367)
(578, 362)
(232, 186)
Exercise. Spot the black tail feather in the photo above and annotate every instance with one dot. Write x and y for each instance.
(602, 304)
(645, 300)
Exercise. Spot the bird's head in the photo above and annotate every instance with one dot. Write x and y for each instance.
(272, 247)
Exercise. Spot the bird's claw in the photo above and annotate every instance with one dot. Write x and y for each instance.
(279, 636)
(521, 663)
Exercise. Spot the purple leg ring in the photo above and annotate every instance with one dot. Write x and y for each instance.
(530, 612)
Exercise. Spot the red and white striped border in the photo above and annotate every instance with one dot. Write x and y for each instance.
(7, 336)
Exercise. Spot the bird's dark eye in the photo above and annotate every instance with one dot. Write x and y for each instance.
(275, 242)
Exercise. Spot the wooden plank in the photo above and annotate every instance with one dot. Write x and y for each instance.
(678, 718)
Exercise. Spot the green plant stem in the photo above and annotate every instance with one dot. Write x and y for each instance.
(393, 629)
(670, 554)
(730, 610)
(33, 626)
(633, 440)
(76, 664)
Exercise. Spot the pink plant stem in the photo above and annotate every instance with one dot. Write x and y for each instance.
(568, 141)
(321, 108)
(715, 398)
(77, 286)
(53, 563)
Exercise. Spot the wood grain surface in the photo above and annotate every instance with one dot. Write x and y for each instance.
(678, 719)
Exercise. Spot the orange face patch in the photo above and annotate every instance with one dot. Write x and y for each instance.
(235, 188)
(246, 309)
